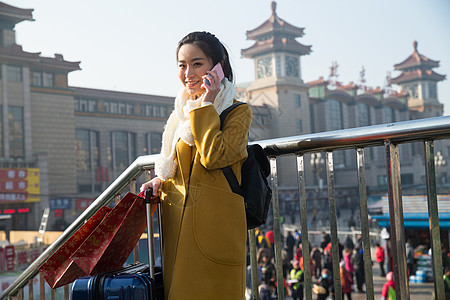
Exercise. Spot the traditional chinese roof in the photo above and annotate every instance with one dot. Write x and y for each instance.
(418, 74)
(417, 61)
(275, 34)
(15, 54)
(318, 82)
(11, 15)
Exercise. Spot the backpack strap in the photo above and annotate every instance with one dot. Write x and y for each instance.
(227, 171)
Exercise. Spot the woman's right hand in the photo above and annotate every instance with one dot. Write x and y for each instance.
(155, 184)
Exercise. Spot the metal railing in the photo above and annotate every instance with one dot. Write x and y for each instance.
(387, 135)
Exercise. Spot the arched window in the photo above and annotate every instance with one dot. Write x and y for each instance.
(334, 114)
(363, 114)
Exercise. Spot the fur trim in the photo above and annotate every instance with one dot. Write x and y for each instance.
(178, 126)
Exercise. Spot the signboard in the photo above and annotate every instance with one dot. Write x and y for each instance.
(60, 203)
(82, 204)
(19, 185)
(9, 258)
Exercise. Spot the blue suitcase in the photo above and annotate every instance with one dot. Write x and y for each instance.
(137, 281)
(132, 282)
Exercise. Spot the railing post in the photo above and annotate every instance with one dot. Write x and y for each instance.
(30, 289)
(433, 219)
(66, 292)
(277, 227)
(397, 238)
(365, 223)
(136, 248)
(254, 264)
(304, 226)
(41, 287)
(333, 226)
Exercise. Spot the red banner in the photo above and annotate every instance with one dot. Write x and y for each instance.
(9, 258)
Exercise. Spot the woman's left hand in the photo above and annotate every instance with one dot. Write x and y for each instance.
(213, 88)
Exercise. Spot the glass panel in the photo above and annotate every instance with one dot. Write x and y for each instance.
(120, 146)
(16, 138)
(334, 114)
(95, 149)
(92, 105)
(37, 78)
(155, 142)
(48, 79)
(363, 114)
(14, 73)
(389, 114)
(82, 150)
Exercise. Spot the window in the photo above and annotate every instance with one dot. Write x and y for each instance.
(334, 114)
(123, 108)
(363, 114)
(124, 149)
(14, 73)
(154, 143)
(16, 137)
(299, 125)
(382, 180)
(298, 100)
(389, 114)
(155, 110)
(48, 79)
(37, 79)
(87, 154)
(407, 179)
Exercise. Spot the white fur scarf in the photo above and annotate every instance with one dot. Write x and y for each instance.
(178, 126)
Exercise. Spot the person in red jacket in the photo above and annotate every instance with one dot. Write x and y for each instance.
(388, 292)
(346, 281)
(379, 256)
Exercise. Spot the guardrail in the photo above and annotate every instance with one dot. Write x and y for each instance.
(387, 135)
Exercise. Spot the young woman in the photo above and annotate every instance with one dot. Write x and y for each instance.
(204, 224)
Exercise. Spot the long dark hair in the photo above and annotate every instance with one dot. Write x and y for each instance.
(212, 47)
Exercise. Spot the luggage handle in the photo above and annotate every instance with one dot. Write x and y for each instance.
(149, 200)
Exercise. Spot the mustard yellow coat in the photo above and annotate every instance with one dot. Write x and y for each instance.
(204, 224)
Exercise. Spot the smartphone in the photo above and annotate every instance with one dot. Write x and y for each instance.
(219, 71)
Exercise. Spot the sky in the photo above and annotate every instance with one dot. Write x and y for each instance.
(130, 45)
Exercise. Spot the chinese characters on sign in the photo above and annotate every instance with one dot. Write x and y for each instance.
(19, 185)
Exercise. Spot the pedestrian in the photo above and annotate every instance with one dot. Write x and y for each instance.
(379, 257)
(358, 264)
(270, 236)
(388, 292)
(346, 281)
(199, 261)
(447, 282)
(348, 243)
(290, 243)
(410, 257)
(348, 253)
(296, 281)
(316, 256)
(264, 259)
(325, 240)
(324, 285)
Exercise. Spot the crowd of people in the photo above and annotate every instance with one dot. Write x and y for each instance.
(351, 266)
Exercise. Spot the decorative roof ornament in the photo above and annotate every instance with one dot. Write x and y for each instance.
(417, 67)
(275, 35)
(273, 6)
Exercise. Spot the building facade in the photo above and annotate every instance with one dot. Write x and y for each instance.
(61, 146)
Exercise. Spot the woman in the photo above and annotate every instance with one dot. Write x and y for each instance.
(204, 224)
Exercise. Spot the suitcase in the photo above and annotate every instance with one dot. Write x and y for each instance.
(137, 281)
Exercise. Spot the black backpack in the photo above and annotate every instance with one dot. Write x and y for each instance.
(254, 187)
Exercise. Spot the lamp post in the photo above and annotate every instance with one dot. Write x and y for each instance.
(317, 164)
(439, 162)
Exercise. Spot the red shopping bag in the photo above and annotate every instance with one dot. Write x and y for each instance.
(102, 245)
(110, 244)
(59, 269)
